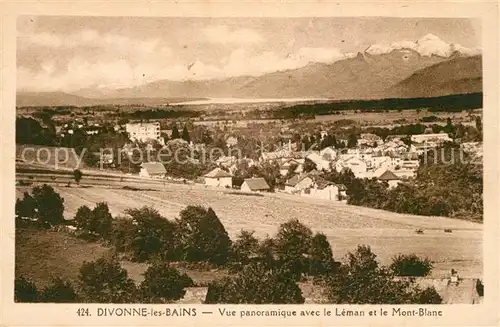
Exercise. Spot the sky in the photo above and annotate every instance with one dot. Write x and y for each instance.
(62, 53)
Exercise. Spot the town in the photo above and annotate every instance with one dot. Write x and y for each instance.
(276, 168)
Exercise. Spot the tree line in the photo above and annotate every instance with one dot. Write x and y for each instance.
(448, 103)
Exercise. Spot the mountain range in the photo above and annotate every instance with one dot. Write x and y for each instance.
(400, 73)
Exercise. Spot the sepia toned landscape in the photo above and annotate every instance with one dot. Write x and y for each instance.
(249, 160)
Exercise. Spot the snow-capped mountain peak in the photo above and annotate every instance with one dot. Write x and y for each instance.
(428, 45)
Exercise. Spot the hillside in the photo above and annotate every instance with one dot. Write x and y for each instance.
(458, 75)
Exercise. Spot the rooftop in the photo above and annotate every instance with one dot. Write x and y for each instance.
(257, 184)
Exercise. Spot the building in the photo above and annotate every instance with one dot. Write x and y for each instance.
(424, 138)
(315, 186)
(152, 170)
(369, 139)
(291, 183)
(321, 164)
(390, 178)
(328, 153)
(255, 185)
(289, 163)
(144, 132)
(231, 141)
(219, 178)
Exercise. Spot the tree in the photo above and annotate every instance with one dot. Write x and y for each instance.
(83, 218)
(256, 284)
(25, 291)
(77, 175)
(59, 291)
(292, 245)
(410, 265)
(352, 141)
(153, 235)
(175, 133)
(185, 134)
(361, 280)
(246, 246)
(163, 283)
(321, 262)
(26, 207)
(49, 204)
(104, 281)
(202, 236)
(123, 234)
(96, 222)
(479, 127)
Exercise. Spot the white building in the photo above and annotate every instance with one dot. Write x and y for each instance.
(423, 138)
(321, 163)
(144, 132)
(152, 170)
(219, 178)
(255, 185)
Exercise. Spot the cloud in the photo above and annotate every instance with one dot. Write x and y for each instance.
(222, 34)
(90, 39)
(427, 45)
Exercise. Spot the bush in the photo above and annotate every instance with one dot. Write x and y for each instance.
(59, 291)
(255, 285)
(202, 236)
(163, 283)
(428, 296)
(410, 265)
(25, 291)
(105, 281)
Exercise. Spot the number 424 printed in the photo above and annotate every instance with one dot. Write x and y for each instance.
(83, 312)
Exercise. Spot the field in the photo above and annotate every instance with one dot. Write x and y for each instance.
(42, 254)
(345, 226)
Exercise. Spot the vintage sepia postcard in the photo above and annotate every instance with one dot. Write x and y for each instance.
(267, 164)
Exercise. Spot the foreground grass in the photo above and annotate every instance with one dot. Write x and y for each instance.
(42, 254)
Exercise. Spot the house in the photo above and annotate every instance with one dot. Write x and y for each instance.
(255, 185)
(315, 186)
(356, 165)
(219, 178)
(328, 153)
(287, 164)
(291, 183)
(152, 170)
(390, 178)
(321, 164)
